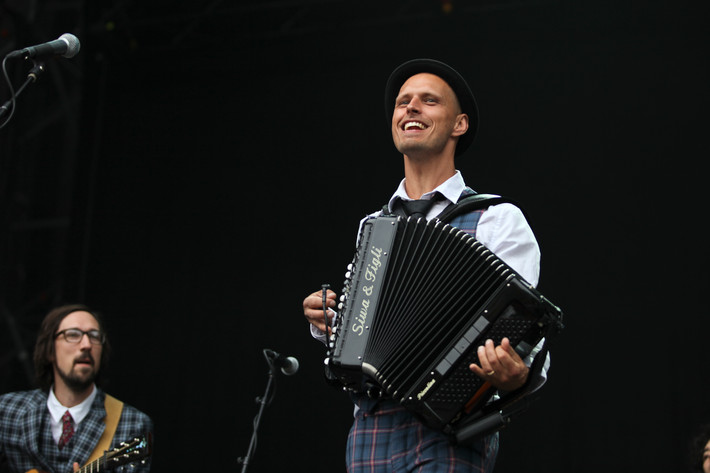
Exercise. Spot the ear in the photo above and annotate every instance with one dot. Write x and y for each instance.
(460, 125)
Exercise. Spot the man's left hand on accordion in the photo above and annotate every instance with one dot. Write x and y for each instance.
(501, 366)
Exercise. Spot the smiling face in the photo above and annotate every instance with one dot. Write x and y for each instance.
(706, 458)
(427, 117)
(76, 365)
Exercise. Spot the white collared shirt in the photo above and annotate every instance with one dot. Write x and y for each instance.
(57, 410)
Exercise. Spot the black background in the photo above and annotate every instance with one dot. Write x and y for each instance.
(226, 160)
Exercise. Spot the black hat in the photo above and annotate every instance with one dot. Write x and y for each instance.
(463, 93)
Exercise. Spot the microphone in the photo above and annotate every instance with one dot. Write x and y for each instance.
(288, 364)
(66, 45)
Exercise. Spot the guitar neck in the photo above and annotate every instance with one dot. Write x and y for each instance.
(93, 467)
(136, 450)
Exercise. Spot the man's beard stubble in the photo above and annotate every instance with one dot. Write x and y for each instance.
(77, 383)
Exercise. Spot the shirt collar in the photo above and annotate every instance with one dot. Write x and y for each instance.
(451, 189)
(78, 412)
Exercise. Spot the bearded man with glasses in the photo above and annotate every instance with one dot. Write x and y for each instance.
(68, 420)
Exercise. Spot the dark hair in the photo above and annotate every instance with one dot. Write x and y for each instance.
(44, 347)
(697, 447)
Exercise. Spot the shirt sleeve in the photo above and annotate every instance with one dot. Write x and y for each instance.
(317, 333)
(504, 230)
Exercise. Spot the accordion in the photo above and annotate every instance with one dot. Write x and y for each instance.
(418, 299)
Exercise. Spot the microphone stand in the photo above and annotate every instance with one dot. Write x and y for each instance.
(32, 76)
(262, 401)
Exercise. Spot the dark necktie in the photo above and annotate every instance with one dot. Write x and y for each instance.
(419, 208)
(67, 430)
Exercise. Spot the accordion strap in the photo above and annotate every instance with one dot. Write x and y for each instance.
(472, 203)
(465, 205)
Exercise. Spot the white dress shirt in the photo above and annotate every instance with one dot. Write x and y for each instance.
(57, 410)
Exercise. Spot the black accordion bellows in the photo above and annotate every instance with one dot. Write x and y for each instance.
(418, 300)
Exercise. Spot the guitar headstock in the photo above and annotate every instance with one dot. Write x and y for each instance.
(128, 452)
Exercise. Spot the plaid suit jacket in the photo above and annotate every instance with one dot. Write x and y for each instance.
(26, 441)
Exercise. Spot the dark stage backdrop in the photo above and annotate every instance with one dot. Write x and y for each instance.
(231, 174)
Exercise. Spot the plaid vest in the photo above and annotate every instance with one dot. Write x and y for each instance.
(467, 222)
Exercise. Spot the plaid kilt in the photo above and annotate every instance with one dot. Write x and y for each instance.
(386, 438)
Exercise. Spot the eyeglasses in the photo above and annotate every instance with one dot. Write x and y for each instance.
(74, 335)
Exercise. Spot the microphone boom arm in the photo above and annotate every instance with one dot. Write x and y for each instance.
(32, 76)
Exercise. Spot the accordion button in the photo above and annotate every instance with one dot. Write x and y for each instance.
(443, 367)
(462, 345)
(472, 334)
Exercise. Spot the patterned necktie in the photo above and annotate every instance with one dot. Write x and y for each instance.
(67, 429)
